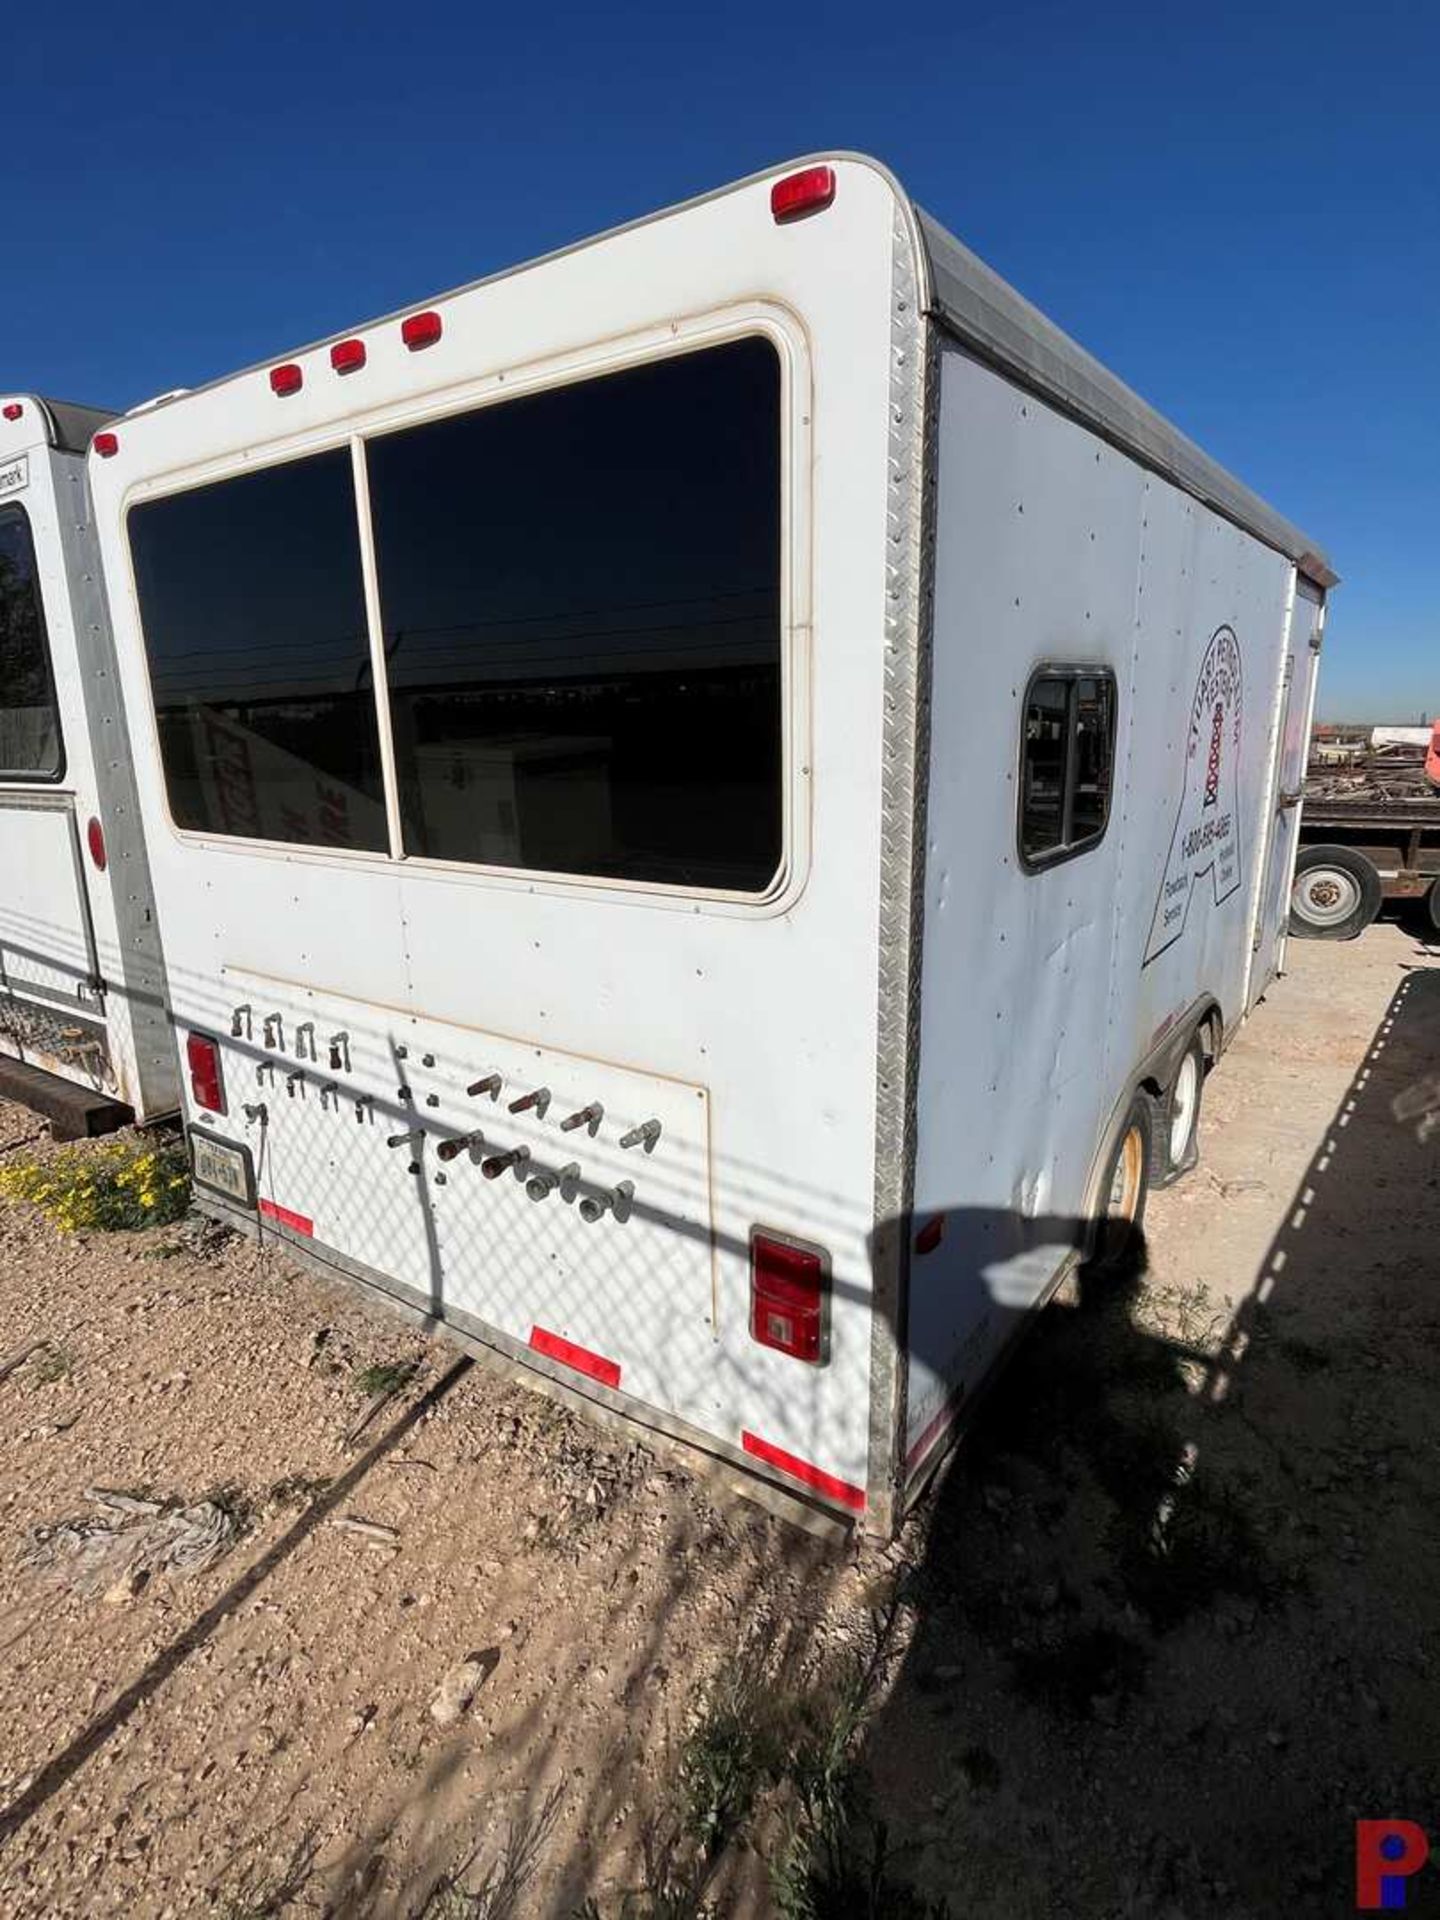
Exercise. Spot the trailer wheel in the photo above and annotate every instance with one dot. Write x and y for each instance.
(1125, 1189)
(1181, 1129)
(1432, 905)
(1336, 895)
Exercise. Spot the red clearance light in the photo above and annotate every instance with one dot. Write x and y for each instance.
(95, 840)
(788, 1289)
(808, 191)
(202, 1056)
(286, 379)
(105, 444)
(347, 355)
(421, 330)
(13, 409)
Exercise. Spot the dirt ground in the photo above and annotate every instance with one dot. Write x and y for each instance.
(1164, 1631)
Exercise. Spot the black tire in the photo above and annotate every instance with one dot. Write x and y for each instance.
(1337, 893)
(1432, 906)
(1118, 1238)
(1179, 1134)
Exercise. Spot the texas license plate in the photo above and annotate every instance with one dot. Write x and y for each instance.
(223, 1167)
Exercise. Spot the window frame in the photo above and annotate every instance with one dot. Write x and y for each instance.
(36, 778)
(1072, 674)
(759, 318)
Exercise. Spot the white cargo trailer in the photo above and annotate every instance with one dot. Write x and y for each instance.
(712, 799)
(84, 1036)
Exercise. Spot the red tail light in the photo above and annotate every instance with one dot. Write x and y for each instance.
(13, 409)
(421, 330)
(95, 840)
(789, 1290)
(801, 193)
(202, 1056)
(347, 355)
(286, 379)
(105, 444)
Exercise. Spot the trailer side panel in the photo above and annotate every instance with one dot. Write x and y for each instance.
(1077, 910)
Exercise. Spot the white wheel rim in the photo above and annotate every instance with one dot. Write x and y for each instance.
(1183, 1102)
(1324, 896)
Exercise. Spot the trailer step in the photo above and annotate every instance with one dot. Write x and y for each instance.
(74, 1113)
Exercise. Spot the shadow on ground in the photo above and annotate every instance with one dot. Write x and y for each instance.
(1177, 1615)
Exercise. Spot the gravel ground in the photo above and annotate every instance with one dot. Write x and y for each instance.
(1169, 1623)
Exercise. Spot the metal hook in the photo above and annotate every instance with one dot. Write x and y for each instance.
(452, 1149)
(539, 1100)
(497, 1163)
(590, 1117)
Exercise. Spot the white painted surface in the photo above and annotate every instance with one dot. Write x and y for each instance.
(1042, 991)
(766, 1008)
(44, 952)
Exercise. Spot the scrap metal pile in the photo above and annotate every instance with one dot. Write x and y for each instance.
(1386, 772)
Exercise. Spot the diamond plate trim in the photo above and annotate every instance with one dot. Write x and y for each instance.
(914, 390)
(55, 1034)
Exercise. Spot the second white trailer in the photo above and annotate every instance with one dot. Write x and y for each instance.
(712, 800)
(84, 1034)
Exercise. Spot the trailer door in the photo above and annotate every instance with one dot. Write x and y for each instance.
(47, 945)
(1302, 660)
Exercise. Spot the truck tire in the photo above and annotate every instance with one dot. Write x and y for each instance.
(1432, 906)
(1118, 1238)
(1337, 893)
(1180, 1114)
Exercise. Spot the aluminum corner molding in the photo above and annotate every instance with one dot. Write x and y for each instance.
(987, 315)
(142, 959)
(904, 779)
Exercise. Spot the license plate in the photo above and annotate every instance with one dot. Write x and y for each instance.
(223, 1167)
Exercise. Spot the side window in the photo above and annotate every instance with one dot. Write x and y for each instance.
(253, 610)
(30, 746)
(580, 591)
(1067, 762)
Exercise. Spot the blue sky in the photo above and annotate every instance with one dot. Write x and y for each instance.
(1234, 206)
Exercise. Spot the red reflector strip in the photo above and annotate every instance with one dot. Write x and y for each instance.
(932, 1433)
(105, 444)
(421, 330)
(283, 1217)
(347, 355)
(816, 1477)
(554, 1347)
(286, 379)
(931, 1234)
(804, 192)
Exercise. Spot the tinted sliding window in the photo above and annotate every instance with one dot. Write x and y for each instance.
(29, 723)
(253, 611)
(581, 600)
(1067, 762)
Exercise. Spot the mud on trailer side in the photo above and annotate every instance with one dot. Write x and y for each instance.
(712, 800)
(84, 1037)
